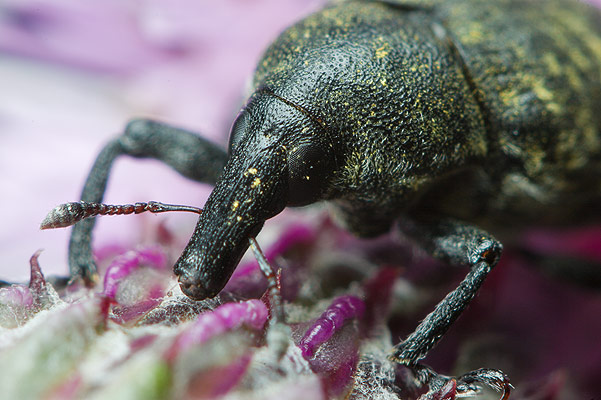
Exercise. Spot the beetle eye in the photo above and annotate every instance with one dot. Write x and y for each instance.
(308, 167)
(237, 132)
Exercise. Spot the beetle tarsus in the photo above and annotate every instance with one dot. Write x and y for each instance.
(493, 378)
(468, 384)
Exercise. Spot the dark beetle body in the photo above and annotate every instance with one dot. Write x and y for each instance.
(489, 109)
(453, 116)
(483, 111)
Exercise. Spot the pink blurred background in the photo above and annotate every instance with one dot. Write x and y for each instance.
(72, 74)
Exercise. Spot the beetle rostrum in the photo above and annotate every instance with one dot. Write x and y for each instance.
(259, 180)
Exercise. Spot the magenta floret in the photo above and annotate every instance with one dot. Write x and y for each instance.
(229, 316)
(16, 296)
(331, 321)
(124, 265)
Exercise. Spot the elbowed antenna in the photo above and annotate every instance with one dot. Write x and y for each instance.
(68, 214)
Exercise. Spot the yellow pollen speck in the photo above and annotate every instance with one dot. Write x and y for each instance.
(235, 204)
(382, 51)
(255, 183)
(238, 218)
(251, 171)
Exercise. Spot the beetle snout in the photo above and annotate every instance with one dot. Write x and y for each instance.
(193, 289)
(193, 283)
(249, 192)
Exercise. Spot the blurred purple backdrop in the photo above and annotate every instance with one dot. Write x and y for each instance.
(72, 73)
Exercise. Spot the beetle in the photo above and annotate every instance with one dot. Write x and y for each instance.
(446, 120)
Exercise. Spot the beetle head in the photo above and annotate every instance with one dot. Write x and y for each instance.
(279, 156)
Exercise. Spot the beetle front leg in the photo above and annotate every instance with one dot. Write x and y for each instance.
(456, 243)
(186, 152)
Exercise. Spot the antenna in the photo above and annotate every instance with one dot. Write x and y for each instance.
(70, 213)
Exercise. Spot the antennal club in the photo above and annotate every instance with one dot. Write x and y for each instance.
(70, 213)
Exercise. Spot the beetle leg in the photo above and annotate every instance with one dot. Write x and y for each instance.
(186, 152)
(469, 384)
(456, 243)
(276, 306)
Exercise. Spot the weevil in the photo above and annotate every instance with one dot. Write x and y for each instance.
(445, 119)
